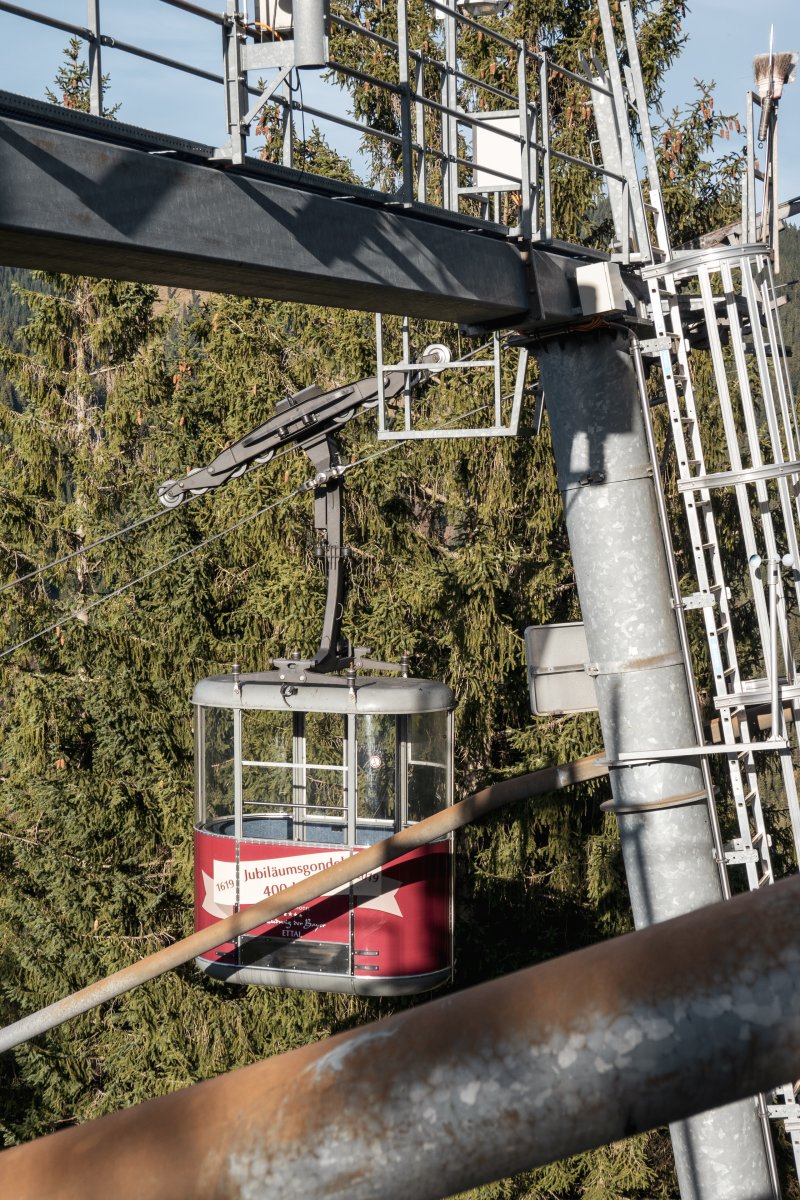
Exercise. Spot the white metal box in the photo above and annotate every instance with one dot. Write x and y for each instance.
(491, 151)
(600, 288)
(277, 14)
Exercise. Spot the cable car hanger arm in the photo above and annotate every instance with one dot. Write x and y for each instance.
(307, 420)
(306, 416)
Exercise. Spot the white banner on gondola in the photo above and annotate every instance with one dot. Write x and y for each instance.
(269, 876)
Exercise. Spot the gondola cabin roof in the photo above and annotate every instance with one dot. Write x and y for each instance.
(309, 692)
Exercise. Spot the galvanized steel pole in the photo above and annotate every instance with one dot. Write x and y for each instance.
(621, 573)
(575, 1053)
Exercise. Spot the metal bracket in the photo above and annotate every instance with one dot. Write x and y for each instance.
(401, 425)
(736, 853)
(786, 1112)
(294, 422)
(656, 805)
(641, 757)
(653, 347)
(623, 666)
(696, 600)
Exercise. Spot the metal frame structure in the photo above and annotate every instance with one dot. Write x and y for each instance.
(721, 300)
(403, 421)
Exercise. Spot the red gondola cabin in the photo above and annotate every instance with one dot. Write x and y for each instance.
(291, 777)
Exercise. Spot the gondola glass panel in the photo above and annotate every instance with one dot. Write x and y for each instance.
(267, 781)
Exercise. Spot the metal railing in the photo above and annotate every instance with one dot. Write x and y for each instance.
(496, 136)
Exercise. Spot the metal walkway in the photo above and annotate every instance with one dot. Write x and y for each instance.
(463, 224)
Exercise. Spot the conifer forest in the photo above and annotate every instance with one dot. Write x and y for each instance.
(107, 389)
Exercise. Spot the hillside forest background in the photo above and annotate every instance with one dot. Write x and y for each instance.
(106, 390)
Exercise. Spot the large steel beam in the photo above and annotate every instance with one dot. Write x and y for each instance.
(577, 1052)
(76, 202)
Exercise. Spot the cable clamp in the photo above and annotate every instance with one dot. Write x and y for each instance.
(695, 600)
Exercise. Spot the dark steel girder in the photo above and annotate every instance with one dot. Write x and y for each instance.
(72, 200)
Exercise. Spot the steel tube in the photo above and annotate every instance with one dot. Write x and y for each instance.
(585, 80)
(593, 168)
(197, 10)
(95, 63)
(41, 19)
(462, 18)
(575, 1053)
(480, 85)
(439, 825)
(773, 578)
(361, 30)
(310, 36)
(87, 34)
(345, 122)
(545, 229)
(139, 52)
(406, 129)
(623, 584)
(364, 77)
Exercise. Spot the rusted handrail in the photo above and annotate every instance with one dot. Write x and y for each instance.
(559, 1058)
(363, 863)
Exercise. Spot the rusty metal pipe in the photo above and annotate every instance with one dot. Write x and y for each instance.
(470, 809)
(578, 1052)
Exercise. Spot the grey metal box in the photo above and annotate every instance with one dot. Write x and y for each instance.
(557, 656)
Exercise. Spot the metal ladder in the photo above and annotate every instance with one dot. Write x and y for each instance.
(762, 470)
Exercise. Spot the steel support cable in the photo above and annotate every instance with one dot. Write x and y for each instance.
(578, 1052)
(364, 862)
(107, 537)
(65, 558)
(81, 613)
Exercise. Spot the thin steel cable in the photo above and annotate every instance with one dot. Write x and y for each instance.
(473, 354)
(81, 613)
(107, 537)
